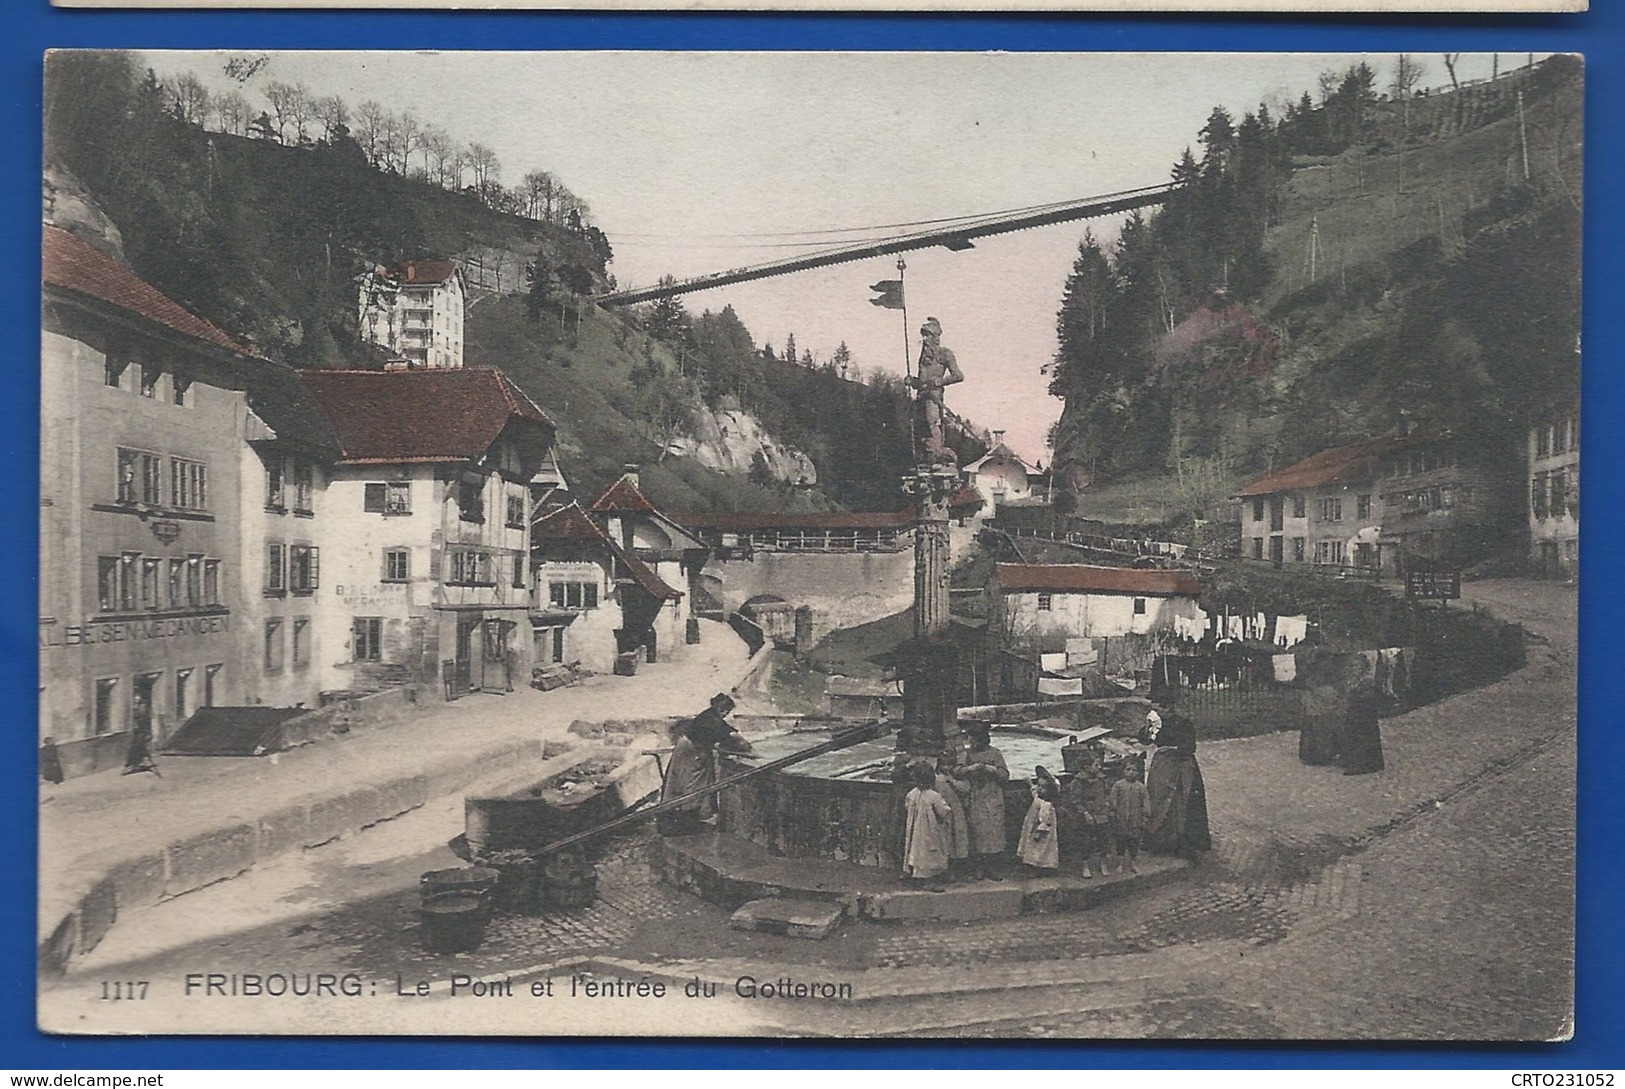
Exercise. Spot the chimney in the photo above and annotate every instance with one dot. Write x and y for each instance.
(630, 472)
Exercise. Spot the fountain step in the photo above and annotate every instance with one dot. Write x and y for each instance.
(731, 871)
(813, 919)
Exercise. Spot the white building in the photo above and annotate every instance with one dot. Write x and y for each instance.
(1553, 458)
(1001, 476)
(426, 524)
(414, 311)
(1077, 601)
(592, 598)
(675, 554)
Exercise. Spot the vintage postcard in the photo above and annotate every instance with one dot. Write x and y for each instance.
(1026, 545)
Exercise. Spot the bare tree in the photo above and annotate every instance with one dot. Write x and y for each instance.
(456, 166)
(333, 114)
(531, 186)
(410, 137)
(437, 153)
(1408, 72)
(483, 162)
(369, 130)
(232, 113)
(389, 141)
(285, 104)
(1450, 60)
(189, 98)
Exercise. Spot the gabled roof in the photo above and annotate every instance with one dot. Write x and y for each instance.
(420, 416)
(288, 407)
(624, 494)
(1336, 465)
(1078, 578)
(1000, 452)
(570, 523)
(422, 273)
(966, 497)
(74, 265)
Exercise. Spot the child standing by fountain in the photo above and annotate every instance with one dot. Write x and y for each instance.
(1040, 847)
(958, 829)
(1128, 805)
(981, 777)
(926, 830)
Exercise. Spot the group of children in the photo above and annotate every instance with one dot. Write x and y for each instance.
(954, 816)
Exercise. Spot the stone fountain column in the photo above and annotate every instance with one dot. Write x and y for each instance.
(930, 670)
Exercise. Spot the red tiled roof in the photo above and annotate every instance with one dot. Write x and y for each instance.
(419, 416)
(966, 496)
(570, 523)
(1357, 461)
(729, 522)
(422, 272)
(1077, 578)
(70, 263)
(623, 495)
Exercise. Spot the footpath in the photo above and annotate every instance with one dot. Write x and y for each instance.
(110, 842)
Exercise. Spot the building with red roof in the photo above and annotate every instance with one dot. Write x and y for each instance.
(414, 311)
(428, 526)
(146, 411)
(594, 599)
(1044, 604)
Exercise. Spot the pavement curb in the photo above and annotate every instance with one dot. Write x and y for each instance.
(112, 885)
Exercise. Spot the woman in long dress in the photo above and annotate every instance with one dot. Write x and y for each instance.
(981, 780)
(1177, 796)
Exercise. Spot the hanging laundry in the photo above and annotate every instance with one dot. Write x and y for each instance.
(1387, 670)
(1369, 657)
(1260, 625)
(1286, 667)
(1234, 628)
(1402, 669)
(1290, 630)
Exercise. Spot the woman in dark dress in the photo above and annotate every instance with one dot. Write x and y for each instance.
(1359, 738)
(1177, 796)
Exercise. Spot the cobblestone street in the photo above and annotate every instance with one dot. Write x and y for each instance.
(1432, 901)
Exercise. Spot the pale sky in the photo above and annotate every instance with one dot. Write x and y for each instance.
(698, 162)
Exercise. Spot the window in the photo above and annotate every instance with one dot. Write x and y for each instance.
(304, 487)
(273, 644)
(1139, 606)
(106, 711)
(1299, 506)
(1258, 548)
(151, 584)
(1045, 602)
(1330, 552)
(149, 382)
(180, 390)
(1258, 508)
(574, 595)
(177, 584)
(394, 497)
(471, 569)
(139, 477)
(558, 644)
(1559, 492)
(274, 499)
(519, 571)
(211, 582)
(116, 582)
(301, 643)
(397, 564)
(1543, 441)
(471, 499)
(189, 484)
(194, 580)
(304, 568)
(211, 680)
(183, 694)
(1297, 549)
(1331, 508)
(276, 580)
(516, 511)
(366, 633)
(1362, 508)
(113, 369)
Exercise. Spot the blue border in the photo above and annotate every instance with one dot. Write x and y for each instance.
(35, 27)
